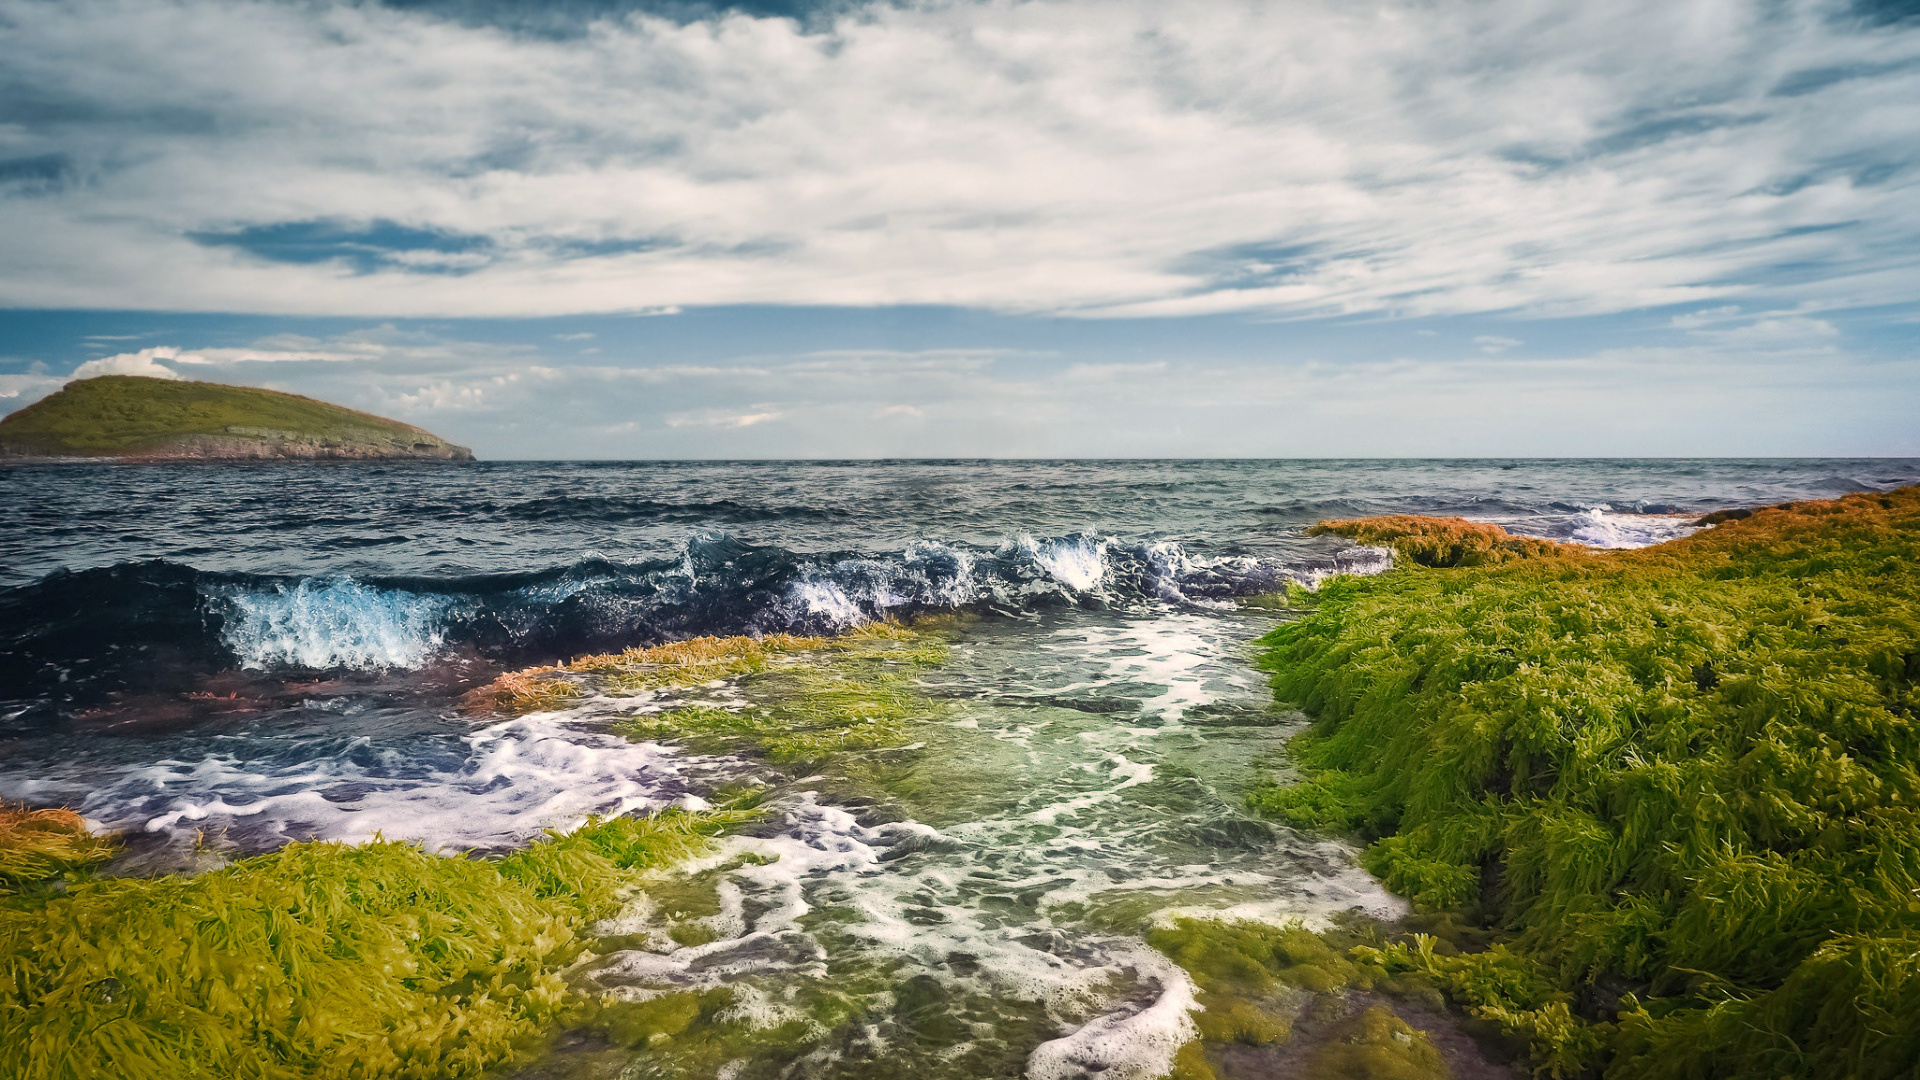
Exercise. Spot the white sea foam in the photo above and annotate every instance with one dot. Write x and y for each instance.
(824, 598)
(1078, 562)
(1125, 1044)
(498, 786)
(333, 624)
(927, 574)
(1602, 529)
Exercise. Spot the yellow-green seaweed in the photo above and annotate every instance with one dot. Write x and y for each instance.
(38, 845)
(317, 960)
(853, 693)
(1684, 781)
(1377, 1045)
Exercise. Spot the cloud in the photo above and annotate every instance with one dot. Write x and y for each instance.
(145, 362)
(1494, 345)
(724, 420)
(1694, 320)
(1782, 328)
(1092, 157)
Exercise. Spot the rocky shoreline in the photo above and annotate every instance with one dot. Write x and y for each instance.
(266, 446)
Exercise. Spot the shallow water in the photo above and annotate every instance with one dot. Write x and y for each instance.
(218, 660)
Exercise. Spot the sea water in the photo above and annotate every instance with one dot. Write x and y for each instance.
(218, 660)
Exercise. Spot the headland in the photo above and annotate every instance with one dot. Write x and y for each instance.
(131, 418)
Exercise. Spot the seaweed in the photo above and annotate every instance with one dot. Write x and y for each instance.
(1682, 783)
(44, 845)
(679, 665)
(854, 692)
(1444, 542)
(1257, 982)
(317, 960)
(675, 664)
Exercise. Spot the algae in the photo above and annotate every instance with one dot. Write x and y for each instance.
(1682, 783)
(317, 960)
(1443, 542)
(853, 692)
(43, 845)
(1377, 1045)
(1259, 983)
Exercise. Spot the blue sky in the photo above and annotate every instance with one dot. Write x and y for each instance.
(1001, 229)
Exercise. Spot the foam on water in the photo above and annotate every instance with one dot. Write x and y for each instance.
(1078, 562)
(1602, 529)
(1051, 801)
(333, 624)
(491, 788)
(1125, 1044)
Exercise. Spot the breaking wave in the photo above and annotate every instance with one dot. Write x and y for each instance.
(333, 624)
(126, 627)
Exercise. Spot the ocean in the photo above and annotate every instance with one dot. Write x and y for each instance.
(218, 660)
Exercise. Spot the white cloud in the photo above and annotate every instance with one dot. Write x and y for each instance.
(1086, 156)
(1694, 320)
(1777, 395)
(723, 419)
(145, 362)
(1494, 345)
(1780, 328)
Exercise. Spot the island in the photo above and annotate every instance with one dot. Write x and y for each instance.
(132, 418)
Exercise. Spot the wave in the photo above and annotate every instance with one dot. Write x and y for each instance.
(334, 624)
(74, 636)
(1640, 529)
(601, 509)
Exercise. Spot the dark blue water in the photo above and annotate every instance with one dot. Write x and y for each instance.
(121, 582)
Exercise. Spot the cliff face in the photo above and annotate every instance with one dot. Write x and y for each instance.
(129, 418)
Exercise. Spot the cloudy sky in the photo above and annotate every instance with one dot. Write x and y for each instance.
(1083, 227)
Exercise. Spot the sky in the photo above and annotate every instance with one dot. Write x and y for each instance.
(1080, 228)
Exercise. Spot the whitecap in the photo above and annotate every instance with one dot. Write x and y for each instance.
(324, 625)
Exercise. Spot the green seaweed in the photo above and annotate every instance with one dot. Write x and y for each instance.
(317, 960)
(855, 694)
(1690, 771)
(1377, 1045)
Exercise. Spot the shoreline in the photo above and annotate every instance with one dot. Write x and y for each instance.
(1378, 972)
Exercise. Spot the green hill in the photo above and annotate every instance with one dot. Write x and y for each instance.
(134, 418)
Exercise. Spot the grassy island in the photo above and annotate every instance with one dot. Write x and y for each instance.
(137, 418)
(1677, 789)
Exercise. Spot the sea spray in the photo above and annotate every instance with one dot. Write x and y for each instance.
(329, 625)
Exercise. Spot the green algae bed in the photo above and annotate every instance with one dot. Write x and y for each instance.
(1678, 788)
(318, 960)
(801, 698)
(130, 415)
